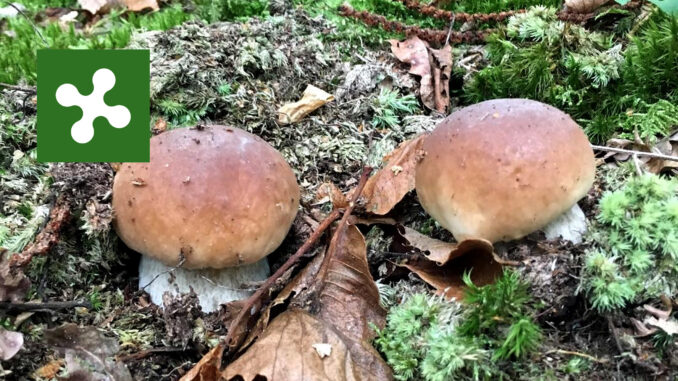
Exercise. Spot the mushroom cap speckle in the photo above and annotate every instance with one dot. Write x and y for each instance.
(503, 168)
(217, 196)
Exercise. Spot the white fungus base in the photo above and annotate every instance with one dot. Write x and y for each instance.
(213, 287)
(570, 225)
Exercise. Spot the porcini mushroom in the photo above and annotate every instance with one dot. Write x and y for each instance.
(501, 169)
(204, 213)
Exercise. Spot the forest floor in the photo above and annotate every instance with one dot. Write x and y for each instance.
(239, 73)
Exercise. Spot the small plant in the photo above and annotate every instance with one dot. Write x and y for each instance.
(389, 106)
(429, 338)
(635, 254)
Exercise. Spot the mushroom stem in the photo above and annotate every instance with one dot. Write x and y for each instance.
(213, 286)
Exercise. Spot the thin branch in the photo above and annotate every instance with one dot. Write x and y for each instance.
(43, 306)
(35, 28)
(584, 355)
(29, 89)
(638, 153)
(148, 352)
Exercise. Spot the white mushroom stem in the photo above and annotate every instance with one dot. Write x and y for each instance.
(570, 226)
(213, 287)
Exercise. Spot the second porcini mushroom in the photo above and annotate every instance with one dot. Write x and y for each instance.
(206, 210)
(501, 169)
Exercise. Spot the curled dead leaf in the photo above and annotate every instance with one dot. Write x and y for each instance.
(448, 278)
(434, 66)
(312, 99)
(388, 186)
(439, 251)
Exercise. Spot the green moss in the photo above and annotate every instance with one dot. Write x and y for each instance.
(587, 74)
(431, 339)
(635, 254)
(390, 106)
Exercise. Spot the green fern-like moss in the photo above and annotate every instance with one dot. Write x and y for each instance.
(636, 245)
(429, 338)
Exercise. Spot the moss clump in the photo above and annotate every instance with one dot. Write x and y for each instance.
(635, 245)
(432, 339)
(585, 73)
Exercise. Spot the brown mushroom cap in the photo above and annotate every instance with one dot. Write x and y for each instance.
(218, 196)
(504, 168)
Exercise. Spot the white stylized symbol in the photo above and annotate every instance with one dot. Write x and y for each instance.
(93, 105)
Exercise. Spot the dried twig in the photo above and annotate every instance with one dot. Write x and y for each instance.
(254, 304)
(430, 35)
(584, 355)
(638, 153)
(27, 89)
(43, 306)
(47, 238)
(30, 20)
(148, 352)
(429, 10)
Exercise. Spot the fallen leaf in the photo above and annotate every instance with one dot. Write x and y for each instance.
(441, 68)
(285, 352)
(159, 126)
(670, 326)
(584, 6)
(387, 187)
(434, 66)
(49, 370)
(312, 99)
(14, 283)
(208, 368)
(10, 343)
(413, 52)
(104, 6)
(447, 279)
(439, 251)
(667, 146)
(344, 301)
(328, 192)
(89, 354)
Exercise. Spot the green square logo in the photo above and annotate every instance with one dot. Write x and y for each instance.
(93, 106)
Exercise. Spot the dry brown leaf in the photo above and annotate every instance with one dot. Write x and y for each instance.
(329, 192)
(208, 368)
(441, 68)
(439, 251)
(49, 370)
(391, 183)
(584, 6)
(285, 352)
(103, 6)
(10, 343)
(159, 126)
(447, 279)
(432, 65)
(668, 146)
(312, 99)
(344, 301)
